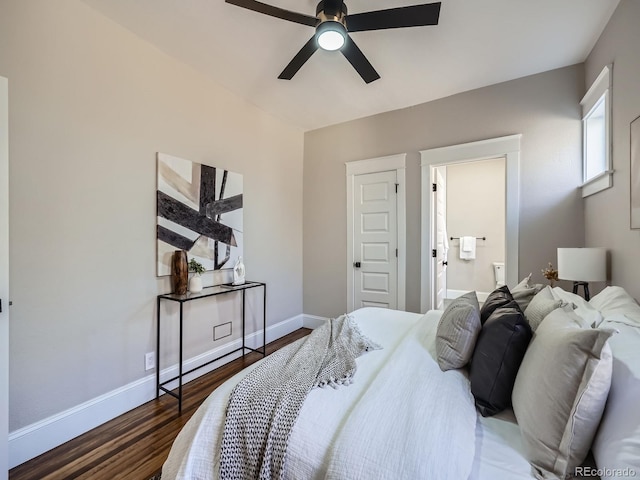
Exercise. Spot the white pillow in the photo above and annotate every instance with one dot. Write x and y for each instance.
(616, 301)
(586, 311)
(617, 443)
(560, 393)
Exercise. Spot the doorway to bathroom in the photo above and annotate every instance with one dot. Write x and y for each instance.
(469, 228)
(506, 148)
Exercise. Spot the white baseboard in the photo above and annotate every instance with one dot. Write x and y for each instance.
(451, 294)
(39, 437)
(313, 321)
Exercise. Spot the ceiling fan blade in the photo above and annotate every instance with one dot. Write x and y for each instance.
(275, 12)
(356, 58)
(301, 57)
(412, 16)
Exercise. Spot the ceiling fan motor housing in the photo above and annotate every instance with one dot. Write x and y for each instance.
(332, 11)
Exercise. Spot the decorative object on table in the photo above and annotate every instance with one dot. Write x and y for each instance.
(179, 272)
(550, 274)
(238, 272)
(635, 173)
(582, 265)
(195, 283)
(199, 209)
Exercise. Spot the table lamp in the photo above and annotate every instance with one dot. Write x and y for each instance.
(582, 265)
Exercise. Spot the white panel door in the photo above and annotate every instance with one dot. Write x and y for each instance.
(440, 240)
(375, 240)
(4, 279)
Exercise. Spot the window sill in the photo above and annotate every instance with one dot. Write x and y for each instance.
(597, 183)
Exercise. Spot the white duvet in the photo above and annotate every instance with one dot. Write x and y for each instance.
(386, 425)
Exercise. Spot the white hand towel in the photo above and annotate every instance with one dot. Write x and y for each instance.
(467, 248)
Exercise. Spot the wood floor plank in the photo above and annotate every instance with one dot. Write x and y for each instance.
(134, 445)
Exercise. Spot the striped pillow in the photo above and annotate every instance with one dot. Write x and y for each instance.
(457, 332)
(524, 292)
(540, 306)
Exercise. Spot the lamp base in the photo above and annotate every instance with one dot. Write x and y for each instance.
(585, 285)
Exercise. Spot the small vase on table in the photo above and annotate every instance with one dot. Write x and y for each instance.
(238, 272)
(179, 272)
(195, 284)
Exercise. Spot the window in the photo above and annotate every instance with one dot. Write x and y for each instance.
(596, 120)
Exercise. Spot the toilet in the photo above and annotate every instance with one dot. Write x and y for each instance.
(498, 272)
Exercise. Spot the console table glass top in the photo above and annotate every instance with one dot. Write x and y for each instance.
(209, 291)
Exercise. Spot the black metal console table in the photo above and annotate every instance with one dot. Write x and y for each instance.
(207, 292)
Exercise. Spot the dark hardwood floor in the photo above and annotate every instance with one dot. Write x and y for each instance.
(135, 445)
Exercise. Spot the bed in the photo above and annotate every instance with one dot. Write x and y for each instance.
(402, 417)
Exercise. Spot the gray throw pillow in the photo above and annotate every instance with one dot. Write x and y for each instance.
(457, 332)
(560, 393)
(525, 291)
(540, 306)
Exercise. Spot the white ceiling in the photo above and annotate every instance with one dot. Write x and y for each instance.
(477, 43)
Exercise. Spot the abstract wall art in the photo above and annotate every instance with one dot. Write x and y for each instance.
(199, 209)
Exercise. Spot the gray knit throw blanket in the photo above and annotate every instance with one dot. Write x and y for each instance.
(264, 406)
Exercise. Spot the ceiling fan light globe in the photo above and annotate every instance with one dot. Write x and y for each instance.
(331, 40)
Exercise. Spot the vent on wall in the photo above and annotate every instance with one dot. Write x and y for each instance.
(221, 331)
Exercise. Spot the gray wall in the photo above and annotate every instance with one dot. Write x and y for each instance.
(607, 213)
(476, 206)
(544, 108)
(90, 105)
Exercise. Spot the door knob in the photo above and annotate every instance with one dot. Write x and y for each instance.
(356, 264)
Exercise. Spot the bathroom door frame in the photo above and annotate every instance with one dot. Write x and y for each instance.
(4, 278)
(507, 147)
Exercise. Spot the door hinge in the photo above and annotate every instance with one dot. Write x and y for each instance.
(433, 253)
(396, 253)
(434, 187)
(397, 187)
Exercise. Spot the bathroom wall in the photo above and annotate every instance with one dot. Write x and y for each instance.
(475, 207)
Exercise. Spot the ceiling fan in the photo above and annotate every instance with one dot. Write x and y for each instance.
(333, 25)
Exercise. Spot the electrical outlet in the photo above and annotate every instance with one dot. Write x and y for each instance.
(149, 361)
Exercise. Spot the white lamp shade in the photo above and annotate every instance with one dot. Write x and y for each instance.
(582, 264)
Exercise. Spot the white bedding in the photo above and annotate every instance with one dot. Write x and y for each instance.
(359, 432)
(499, 452)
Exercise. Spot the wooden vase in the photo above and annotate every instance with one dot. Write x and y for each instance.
(179, 272)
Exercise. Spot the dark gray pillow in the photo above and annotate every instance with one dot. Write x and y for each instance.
(496, 359)
(457, 332)
(496, 299)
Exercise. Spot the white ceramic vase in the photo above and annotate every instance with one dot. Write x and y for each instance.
(195, 283)
(238, 272)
